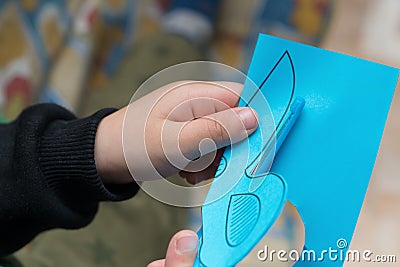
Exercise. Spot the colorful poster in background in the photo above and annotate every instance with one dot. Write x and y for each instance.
(18, 57)
(115, 32)
(36, 34)
(300, 20)
(32, 33)
(41, 37)
(304, 21)
(98, 38)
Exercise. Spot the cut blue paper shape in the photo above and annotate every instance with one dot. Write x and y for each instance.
(325, 164)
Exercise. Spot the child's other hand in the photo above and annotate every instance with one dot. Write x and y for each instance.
(181, 252)
(170, 127)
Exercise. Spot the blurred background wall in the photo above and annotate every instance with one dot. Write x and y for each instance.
(91, 54)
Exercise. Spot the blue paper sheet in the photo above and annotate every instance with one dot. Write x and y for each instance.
(327, 159)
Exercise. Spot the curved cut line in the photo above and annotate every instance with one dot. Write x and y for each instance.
(266, 146)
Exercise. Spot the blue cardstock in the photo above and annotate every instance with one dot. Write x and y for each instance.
(324, 166)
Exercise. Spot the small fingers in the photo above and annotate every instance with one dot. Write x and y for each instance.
(223, 128)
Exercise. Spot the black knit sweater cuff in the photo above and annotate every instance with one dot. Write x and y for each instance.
(67, 161)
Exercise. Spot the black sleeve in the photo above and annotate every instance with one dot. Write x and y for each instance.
(48, 176)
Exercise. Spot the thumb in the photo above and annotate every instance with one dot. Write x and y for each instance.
(224, 128)
(182, 249)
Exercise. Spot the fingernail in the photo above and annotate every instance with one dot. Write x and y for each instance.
(248, 117)
(187, 244)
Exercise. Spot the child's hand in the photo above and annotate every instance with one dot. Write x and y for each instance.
(164, 130)
(182, 251)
